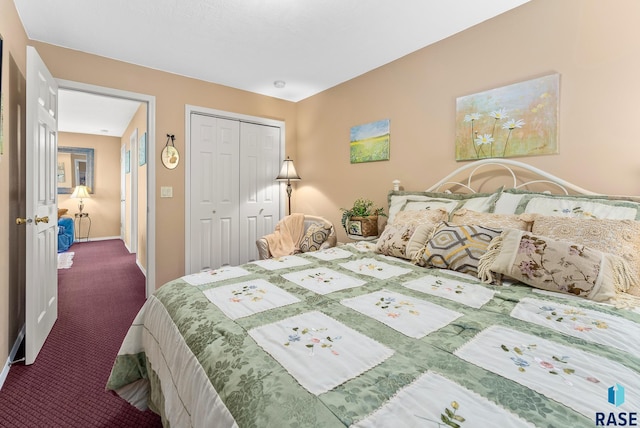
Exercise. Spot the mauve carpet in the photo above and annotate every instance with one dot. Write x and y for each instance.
(99, 297)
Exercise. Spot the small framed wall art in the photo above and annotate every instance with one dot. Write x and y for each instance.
(370, 142)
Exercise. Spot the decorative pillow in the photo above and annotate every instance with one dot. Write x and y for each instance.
(619, 237)
(409, 232)
(426, 216)
(457, 247)
(555, 265)
(513, 201)
(314, 237)
(62, 211)
(412, 201)
(500, 221)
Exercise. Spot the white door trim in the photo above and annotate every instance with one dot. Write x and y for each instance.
(123, 194)
(133, 191)
(151, 164)
(189, 109)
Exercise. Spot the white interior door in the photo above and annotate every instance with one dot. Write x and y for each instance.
(41, 202)
(232, 196)
(259, 193)
(214, 176)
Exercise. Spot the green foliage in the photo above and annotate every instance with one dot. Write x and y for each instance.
(361, 208)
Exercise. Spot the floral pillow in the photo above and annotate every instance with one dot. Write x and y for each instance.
(512, 201)
(414, 201)
(409, 232)
(555, 265)
(314, 237)
(619, 237)
(457, 247)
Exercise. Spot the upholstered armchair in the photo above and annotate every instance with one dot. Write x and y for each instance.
(318, 234)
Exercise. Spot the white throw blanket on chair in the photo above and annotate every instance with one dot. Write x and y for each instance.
(285, 240)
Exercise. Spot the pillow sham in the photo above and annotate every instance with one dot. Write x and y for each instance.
(409, 232)
(556, 265)
(513, 201)
(407, 201)
(500, 221)
(619, 237)
(314, 237)
(62, 211)
(425, 216)
(457, 247)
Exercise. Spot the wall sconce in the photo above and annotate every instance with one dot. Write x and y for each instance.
(288, 173)
(80, 192)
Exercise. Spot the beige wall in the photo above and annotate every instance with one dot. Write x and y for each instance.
(104, 204)
(593, 44)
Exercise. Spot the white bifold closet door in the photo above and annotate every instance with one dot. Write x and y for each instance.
(234, 199)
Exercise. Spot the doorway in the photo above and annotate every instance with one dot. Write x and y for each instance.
(147, 209)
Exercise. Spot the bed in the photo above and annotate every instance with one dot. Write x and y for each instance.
(509, 307)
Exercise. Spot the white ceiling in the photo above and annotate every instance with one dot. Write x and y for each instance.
(311, 45)
(87, 113)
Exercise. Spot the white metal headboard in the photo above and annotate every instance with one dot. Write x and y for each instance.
(512, 167)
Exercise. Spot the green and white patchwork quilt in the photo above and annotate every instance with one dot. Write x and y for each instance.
(343, 337)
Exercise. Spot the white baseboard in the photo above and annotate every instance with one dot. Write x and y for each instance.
(12, 356)
(143, 270)
(102, 238)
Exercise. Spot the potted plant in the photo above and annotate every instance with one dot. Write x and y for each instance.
(362, 219)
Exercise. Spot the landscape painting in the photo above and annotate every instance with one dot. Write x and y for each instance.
(370, 142)
(515, 120)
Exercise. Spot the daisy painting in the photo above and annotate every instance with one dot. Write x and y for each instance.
(515, 120)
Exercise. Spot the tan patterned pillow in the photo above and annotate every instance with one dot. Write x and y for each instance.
(556, 265)
(409, 232)
(619, 237)
(500, 221)
(314, 237)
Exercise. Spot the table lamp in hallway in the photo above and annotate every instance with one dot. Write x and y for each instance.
(80, 192)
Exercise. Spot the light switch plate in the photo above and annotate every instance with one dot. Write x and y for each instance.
(166, 192)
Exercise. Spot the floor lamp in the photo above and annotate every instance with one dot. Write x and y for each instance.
(288, 173)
